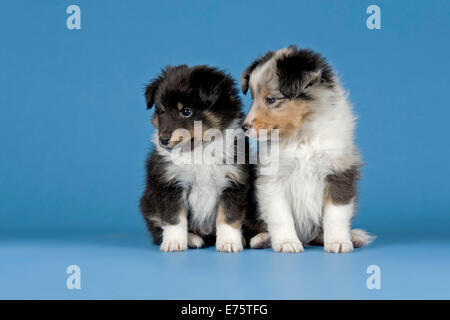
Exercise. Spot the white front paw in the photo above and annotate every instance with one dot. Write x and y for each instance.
(338, 246)
(287, 245)
(195, 241)
(228, 239)
(228, 245)
(261, 240)
(171, 245)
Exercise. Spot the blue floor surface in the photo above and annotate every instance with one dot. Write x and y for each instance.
(127, 266)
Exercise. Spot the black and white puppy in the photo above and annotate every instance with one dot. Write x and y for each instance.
(311, 198)
(185, 203)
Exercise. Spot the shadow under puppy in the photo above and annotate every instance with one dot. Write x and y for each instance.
(311, 197)
(186, 203)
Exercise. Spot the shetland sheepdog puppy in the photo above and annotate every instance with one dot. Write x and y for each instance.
(311, 198)
(190, 203)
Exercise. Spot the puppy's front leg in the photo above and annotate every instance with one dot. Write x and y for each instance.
(337, 227)
(228, 230)
(277, 213)
(175, 235)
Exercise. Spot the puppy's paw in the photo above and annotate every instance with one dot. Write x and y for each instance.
(228, 238)
(260, 241)
(229, 246)
(338, 246)
(287, 245)
(361, 238)
(195, 241)
(172, 245)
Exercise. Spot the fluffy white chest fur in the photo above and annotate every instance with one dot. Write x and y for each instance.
(301, 181)
(203, 184)
(323, 147)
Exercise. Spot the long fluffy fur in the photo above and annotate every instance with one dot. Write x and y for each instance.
(192, 204)
(318, 162)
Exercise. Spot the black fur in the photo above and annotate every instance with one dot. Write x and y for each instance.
(212, 96)
(161, 200)
(200, 88)
(297, 70)
(300, 69)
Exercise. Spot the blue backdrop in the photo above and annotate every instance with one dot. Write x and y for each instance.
(74, 131)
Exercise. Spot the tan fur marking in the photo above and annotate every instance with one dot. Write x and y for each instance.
(222, 219)
(155, 121)
(288, 116)
(235, 177)
(264, 92)
(180, 106)
(173, 142)
(212, 119)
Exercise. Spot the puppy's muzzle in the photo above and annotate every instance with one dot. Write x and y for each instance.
(164, 142)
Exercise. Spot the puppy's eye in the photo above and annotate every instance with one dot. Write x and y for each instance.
(186, 112)
(270, 100)
(159, 111)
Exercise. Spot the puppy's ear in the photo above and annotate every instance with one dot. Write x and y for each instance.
(300, 69)
(292, 84)
(245, 77)
(150, 91)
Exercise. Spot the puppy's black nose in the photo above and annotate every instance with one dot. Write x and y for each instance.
(245, 127)
(164, 140)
